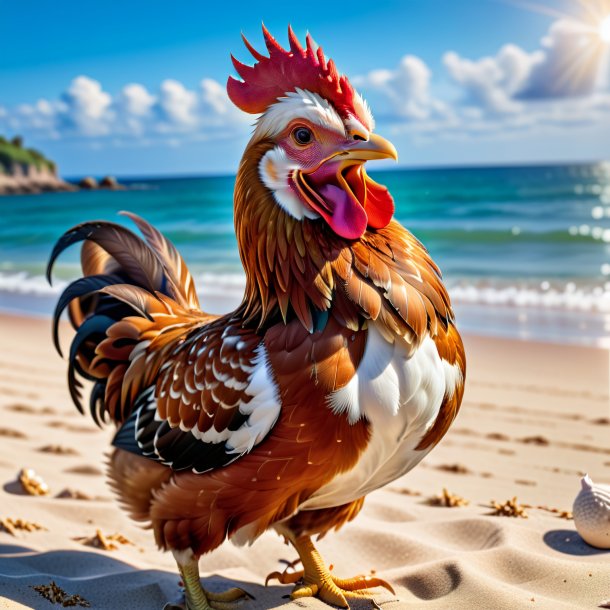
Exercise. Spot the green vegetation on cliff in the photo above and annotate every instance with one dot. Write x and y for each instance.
(12, 151)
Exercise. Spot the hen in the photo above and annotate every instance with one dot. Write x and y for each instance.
(337, 374)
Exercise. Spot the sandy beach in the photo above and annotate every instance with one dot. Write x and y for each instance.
(535, 418)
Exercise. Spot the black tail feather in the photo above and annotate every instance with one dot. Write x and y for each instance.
(79, 288)
(133, 255)
(96, 402)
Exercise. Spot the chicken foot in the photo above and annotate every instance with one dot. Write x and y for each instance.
(315, 579)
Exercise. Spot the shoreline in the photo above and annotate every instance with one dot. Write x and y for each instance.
(527, 323)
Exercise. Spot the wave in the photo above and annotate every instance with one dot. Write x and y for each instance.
(570, 295)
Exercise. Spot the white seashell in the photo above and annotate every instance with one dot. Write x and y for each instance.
(591, 511)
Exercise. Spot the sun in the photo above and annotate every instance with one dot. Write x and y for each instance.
(604, 29)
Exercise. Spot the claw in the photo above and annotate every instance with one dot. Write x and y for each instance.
(290, 564)
(284, 578)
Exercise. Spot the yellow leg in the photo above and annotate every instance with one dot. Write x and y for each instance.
(315, 579)
(196, 597)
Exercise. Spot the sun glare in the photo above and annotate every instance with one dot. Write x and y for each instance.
(604, 29)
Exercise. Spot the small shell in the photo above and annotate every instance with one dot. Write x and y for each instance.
(592, 513)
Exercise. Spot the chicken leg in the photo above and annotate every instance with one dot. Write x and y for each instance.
(196, 597)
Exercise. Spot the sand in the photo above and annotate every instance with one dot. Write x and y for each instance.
(535, 417)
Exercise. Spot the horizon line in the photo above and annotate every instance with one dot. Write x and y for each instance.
(440, 167)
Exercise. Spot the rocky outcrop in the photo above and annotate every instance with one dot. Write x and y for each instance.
(110, 183)
(18, 179)
(88, 184)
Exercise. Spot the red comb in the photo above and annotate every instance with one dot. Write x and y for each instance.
(285, 70)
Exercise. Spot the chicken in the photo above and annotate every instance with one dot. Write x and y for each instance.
(339, 371)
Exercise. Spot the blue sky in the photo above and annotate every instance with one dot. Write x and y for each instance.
(135, 88)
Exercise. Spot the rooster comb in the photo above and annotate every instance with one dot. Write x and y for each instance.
(285, 70)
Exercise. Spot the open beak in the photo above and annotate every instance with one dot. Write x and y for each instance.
(340, 191)
(375, 147)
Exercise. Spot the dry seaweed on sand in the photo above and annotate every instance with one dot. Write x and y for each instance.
(12, 525)
(58, 450)
(453, 468)
(561, 514)
(509, 508)
(448, 499)
(73, 494)
(101, 541)
(33, 483)
(56, 595)
(406, 491)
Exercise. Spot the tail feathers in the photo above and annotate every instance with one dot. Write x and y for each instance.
(173, 263)
(132, 255)
(134, 292)
(80, 288)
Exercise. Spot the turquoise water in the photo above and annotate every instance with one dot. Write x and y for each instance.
(511, 242)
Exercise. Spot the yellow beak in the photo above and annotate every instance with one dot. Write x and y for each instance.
(375, 147)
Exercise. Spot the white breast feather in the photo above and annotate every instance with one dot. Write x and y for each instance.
(400, 396)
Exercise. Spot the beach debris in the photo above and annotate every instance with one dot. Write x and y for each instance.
(30, 410)
(406, 492)
(85, 469)
(58, 450)
(33, 483)
(101, 541)
(561, 514)
(497, 436)
(539, 440)
(453, 468)
(10, 433)
(73, 494)
(56, 595)
(509, 508)
(605, 604)
(591, 512)
(12, 525)
(448, 500)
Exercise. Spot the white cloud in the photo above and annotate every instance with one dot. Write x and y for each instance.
(492, 82)
(403, 91)
(136, 100)
(552, 88)
(566, 65)
(570, 62)
(215, 95)
(88, 107)
(178, 104)
(135, 116)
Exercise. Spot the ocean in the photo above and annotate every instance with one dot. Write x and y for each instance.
(524, 251)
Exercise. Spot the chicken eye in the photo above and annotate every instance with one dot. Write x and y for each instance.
(302, 135)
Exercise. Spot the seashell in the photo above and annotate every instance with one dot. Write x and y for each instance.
(33, 483)
(591, 512)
